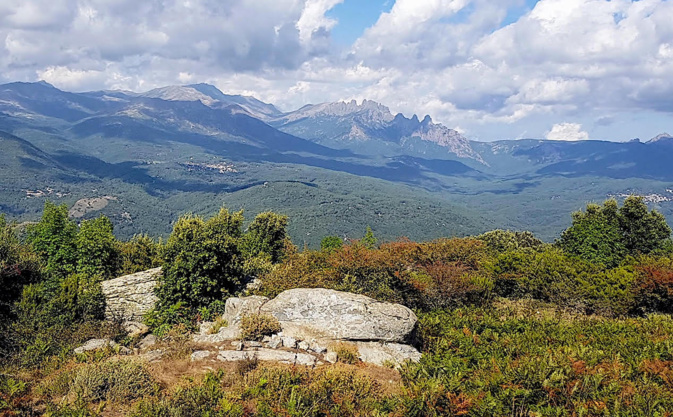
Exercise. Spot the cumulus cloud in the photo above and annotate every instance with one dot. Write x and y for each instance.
(567, 132)
(454, 59)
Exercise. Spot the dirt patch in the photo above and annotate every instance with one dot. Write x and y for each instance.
(87, 205)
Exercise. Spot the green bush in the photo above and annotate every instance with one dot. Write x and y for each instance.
(139, 254)
(97, 248)
(202, 261)
(505, 240)
(330, 243)
(607, 234)
(54, 238)
(266, 235)
(256, 326)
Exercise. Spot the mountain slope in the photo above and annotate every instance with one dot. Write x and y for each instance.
(370, 127)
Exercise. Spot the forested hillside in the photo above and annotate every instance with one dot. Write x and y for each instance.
(509, 325)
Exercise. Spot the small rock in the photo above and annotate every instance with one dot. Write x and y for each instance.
(266, 339)
(252, 344)
(205, 328)
(152, 355)
(331, 357)
(235, 308)
(304, 346)
(268, 355)
(289, 342)
(387, 353)
(318, 347)
(200, 355)
(95, 344)
(231, 332)
(149, 341)
(238, 345)
(275, 342)
(135, 329)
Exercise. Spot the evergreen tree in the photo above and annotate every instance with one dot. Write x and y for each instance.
(267, 234)
(369, 241)
(330, 243)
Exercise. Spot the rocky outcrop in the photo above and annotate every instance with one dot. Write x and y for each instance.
(98, 344)
(129, 297)
(314, 321)
(328, 314)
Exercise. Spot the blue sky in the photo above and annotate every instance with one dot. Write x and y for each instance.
(493, 69)
(355, 16)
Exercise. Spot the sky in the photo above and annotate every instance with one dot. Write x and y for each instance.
(492, 69)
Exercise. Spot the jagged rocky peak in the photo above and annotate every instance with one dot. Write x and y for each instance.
(374, 111)
(660, 137)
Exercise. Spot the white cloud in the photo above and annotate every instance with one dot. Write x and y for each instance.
(567, 132)
(573, 59)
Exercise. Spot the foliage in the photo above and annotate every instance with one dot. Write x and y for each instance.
(97, 249)
(346, 353)
(114, 381)
(256, 326)
(654, 291)
(494, 361)
(202, 261)
(19, 266)
(54, 238)
(139, 254)
(266, 234)
(329, 243)
(606, 234)
(369, 241)
(506, 240)
(278, 391)
(420, 275)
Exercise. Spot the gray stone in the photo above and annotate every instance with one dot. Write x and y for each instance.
(238, 344)
(303, 346)
(289, 342)
(149, 341)
(96, 344)
(275, 342)
(331, 357)
(128, 298)
(235, 308)
(200, 355)
(135, 329)
(252, 344)
(152, 355)
(318, 346)
(267, 355)
(387, 353)
(231, 332)
(328, 314)
(205, 328)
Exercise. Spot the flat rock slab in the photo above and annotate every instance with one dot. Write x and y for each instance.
(383, 354)
(128, 298)
(97, 344)
(236, 308)
(268, 355)
(232, 332)
(321, 313)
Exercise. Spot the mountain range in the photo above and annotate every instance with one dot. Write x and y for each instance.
(333, 167)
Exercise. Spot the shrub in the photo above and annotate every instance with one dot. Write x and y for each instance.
(654, 288)
(346, 353)
(266, 234)
(505, 240)
(54, 239)
(97, 248)
(139, 254)
(256, 326)
(607, 234)
(202, 261)
(115, 381)
(329, 243)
